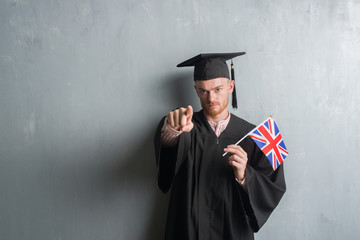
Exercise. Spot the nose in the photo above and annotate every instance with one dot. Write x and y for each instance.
(211, 96)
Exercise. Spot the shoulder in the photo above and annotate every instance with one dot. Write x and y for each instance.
(241, 122)
(199, 117)
(201, 124)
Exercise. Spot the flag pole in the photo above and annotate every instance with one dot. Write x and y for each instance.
(239, 141)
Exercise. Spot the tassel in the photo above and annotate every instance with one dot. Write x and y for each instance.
(234, 100)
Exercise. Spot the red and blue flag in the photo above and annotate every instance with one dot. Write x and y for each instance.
(267, 136)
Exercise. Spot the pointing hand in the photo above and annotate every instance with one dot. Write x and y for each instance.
(180, 119)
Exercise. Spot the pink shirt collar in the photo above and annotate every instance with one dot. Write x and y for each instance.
(220, 126)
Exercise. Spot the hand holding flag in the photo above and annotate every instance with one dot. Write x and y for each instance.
(268, 138)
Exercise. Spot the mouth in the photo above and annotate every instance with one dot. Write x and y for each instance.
(212, 105)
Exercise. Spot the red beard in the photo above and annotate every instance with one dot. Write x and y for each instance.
(213, 111)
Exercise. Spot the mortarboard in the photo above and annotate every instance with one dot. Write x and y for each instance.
(213, 65)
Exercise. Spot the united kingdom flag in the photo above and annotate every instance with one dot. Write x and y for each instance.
(267, 136)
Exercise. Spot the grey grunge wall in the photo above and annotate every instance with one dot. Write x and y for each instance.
(84, 83)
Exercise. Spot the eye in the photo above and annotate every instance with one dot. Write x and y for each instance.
(217, 90)
(203, 92)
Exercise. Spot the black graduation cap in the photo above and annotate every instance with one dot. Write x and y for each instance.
(213, 65)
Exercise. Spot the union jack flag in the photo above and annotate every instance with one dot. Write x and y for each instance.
(267, 136)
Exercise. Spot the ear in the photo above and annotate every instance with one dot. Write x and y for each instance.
(231, 86)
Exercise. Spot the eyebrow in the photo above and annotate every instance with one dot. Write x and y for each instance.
(220, 86)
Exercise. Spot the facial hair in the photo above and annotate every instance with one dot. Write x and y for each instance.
(213, 112)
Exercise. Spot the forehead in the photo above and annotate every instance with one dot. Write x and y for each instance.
(212, 83)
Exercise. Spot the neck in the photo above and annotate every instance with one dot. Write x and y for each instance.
(217, 118)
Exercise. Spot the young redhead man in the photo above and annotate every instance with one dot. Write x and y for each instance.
(212, 196)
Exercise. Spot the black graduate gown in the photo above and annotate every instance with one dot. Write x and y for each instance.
(206, 202)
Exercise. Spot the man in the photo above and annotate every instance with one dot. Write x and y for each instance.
(212, 196)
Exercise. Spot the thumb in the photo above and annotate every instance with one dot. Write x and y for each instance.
(188, 127)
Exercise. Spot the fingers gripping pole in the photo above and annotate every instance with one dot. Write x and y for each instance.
(238, 142)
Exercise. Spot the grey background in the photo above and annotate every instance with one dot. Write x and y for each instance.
(84, 83)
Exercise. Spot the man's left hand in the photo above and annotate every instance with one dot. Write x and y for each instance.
(237, 160)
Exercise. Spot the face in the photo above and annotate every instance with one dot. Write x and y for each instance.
(214, 96)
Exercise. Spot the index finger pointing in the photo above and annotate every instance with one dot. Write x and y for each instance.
(189, 112)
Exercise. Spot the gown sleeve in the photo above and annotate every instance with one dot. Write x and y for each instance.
(168, 159)
(265, 188)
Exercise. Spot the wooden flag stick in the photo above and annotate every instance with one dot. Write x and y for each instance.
(239, 141)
